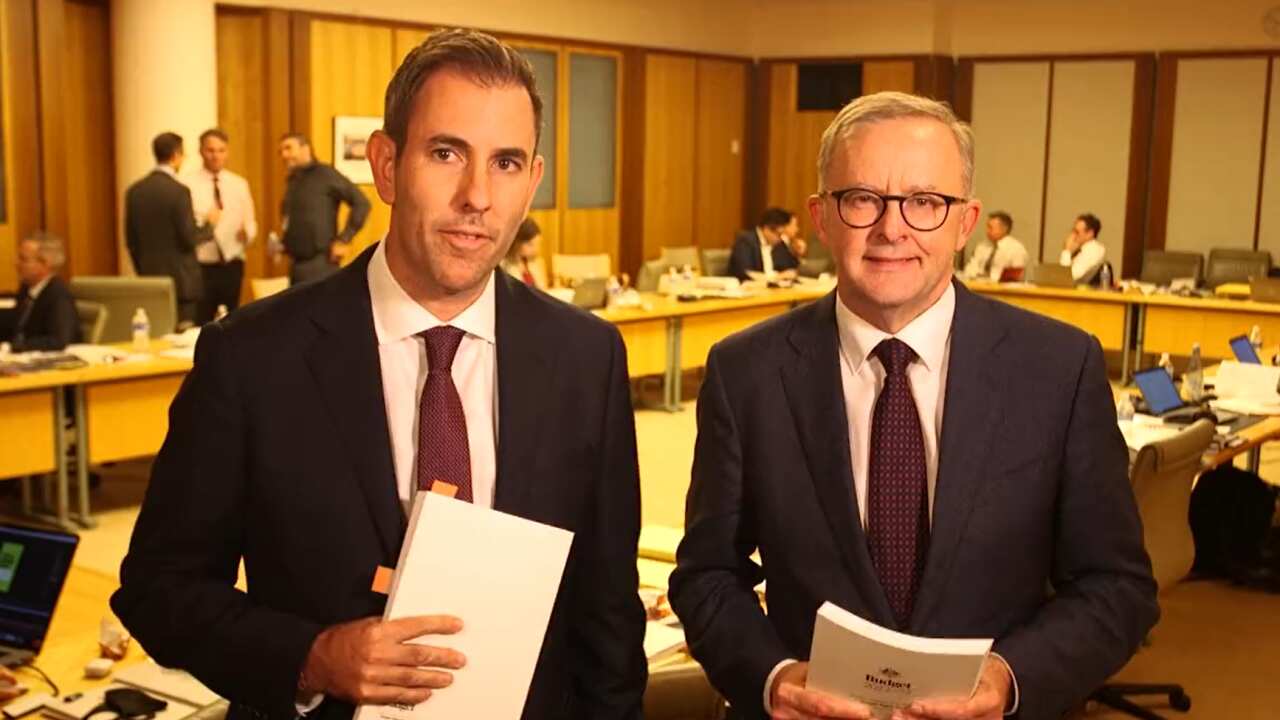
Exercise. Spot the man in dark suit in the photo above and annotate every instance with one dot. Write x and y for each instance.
(310, 418)
(769, 240)
(933, 461)
(160, 226)
(44, 316)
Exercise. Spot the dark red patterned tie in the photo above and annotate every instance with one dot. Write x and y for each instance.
(897, 484)
(442, 427)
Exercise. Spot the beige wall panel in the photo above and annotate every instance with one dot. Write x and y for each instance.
(350, 69)
(1010, 112)
(721, 143)
(670, 96)
(1269, 227)
(1089, 152)
(1217, 137)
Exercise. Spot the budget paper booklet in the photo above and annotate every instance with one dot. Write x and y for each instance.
(497, 572)
(854, 658)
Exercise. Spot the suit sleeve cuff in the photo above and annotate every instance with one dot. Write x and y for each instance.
(1014, 698)
(768, 682)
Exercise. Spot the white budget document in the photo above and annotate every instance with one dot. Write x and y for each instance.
(497, 572)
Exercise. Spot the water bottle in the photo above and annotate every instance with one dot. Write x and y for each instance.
(1255, 339)
(220, 313)
(1193, 378)
(1104, 277)
(1124, 408)
(141, 331)
(1166, 363)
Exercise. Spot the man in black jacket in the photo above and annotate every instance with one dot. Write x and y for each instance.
(765, 248)
(312, 416)
(44, 317)
(160, 226)
(312, 197)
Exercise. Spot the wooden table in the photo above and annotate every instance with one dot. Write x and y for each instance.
(1171, 324)
(73, 635)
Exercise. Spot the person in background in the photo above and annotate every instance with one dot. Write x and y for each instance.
(1081, 251)
(222, 200)
(764, 247)
(44, 317)
(311, 200)
(160, 227)
(999, 252)
(522, 260)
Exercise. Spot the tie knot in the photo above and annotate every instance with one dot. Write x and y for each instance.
(895, 355)
(442, 345)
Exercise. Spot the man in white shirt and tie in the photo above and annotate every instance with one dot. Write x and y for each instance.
(1081, 251)
(999, 253)
(222, 201)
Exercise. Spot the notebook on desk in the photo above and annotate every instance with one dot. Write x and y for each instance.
(33, 567)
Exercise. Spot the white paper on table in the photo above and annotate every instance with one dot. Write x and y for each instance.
(662, 640)
(855, 658)
(1247, 381)
(497, 572)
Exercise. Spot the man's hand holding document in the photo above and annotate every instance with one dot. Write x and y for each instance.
(858, 669)
(465, 619)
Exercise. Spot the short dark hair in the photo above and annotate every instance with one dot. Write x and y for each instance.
(214, 133)
(775, 217)
(165, 146)
(1092, 222)
(1003, 217)
(527, 231)
(302, 139)
(478, 56)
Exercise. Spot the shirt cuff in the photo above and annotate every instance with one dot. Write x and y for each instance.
(1012, 707)
(1065, 258)
(768, 682)
(308, 706)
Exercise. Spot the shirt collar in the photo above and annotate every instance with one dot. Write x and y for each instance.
(167, 170)
(34, 291)
(764, 241)
(927, 334)
(397, 316)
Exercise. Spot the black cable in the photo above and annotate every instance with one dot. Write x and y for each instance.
(47, 679)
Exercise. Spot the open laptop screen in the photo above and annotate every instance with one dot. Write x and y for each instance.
(1158, 390)
(1243, 350)
(33, 566)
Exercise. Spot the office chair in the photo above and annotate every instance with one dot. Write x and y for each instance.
(1162, 475)
(93, 320)
(1162, 267)
(122, 296)
(580, 267)
(1229, 265)
(681, 256)
(715, 261)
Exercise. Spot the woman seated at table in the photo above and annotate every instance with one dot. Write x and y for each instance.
(522, 259)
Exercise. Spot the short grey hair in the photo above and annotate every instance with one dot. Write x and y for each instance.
(51, 248)
(891, 106)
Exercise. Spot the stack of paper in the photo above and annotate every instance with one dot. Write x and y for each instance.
(662, 640)
(883, 669)
(500, 574)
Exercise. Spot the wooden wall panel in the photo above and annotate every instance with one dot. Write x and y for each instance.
(1269, 205)
(51, 55)
(89, 139)
(720, 149)
(350, 66)
(882, 75)
(406, 39)
(794, 138)
(670, 92)
(21, 132)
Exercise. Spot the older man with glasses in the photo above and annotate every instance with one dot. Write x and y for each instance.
(43, 316)
(934, 461)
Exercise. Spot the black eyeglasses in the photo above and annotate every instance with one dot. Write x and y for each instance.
(860, 208)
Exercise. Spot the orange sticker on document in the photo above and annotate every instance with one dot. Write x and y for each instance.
(441, 487)
(382, 580)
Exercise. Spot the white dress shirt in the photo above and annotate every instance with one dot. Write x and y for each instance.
(397, 320)
(1009, 253)
(1087, 260)
(766, 252)
(862, 378)
(237, 212)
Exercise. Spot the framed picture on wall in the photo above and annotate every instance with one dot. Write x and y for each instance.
(350, 137)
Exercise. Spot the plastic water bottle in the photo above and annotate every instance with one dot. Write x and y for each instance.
(220, 313)
(1166, 363)
(141, 331)
(1124, 408)
(1193, 378)
(1104, 277)
(1255, 339)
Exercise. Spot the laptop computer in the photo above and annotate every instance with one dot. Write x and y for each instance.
(591, 293)
(1052, 275)
(33, 567)
(1162, 400)
(1244, 350)
(1265, 290)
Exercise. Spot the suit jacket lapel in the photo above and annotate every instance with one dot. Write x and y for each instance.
(815, 395)
(970, 411)
(344, 363)
(525, 355)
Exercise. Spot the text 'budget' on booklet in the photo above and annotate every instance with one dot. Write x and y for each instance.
(884, 669)
(497, 572)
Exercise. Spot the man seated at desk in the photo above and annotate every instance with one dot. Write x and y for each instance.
(766, 248)
(44, 315)
(1081, 251)
(999, 253)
